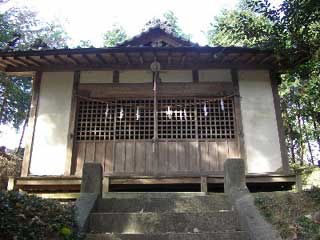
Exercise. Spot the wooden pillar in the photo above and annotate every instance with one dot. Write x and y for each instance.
(204, 184)
(276, 101)
(105, 184)
(72, 127)
(238, 117)
(11, 183)
(31, 124)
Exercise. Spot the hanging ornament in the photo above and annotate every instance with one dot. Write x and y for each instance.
(185, 114)
(205, 109)
(222, 104)
(176, 114)
(107, 111)
(138, 113)
(169, 112)
(180, 114)
(121, 113)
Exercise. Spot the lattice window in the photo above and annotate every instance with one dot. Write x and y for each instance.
(178, 118)
(117, 119)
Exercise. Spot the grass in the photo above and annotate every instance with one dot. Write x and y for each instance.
(291, 212)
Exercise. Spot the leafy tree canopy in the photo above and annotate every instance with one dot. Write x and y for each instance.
(115, 35)
(292, 30)
(21, 29)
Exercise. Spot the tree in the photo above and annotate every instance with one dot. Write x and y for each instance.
(292, 30)
(169, 22)
(115, 35)
(20, 29)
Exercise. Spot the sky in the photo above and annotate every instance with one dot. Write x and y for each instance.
(88, 20)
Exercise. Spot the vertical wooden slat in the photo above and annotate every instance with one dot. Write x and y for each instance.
(238, 117)
(150, 156)
(232, 150)
(214, 157)
(163, 161)
(129, 168)
(172, 157)
(276, 102)
(120, 157)
(223, 153)
(100, 153)
(140, 157)
(205, 157)
(181, 156)
(90, 152)
(31, 124)
(70, 157)
(108, 161)
(193, 157)
(81, 152)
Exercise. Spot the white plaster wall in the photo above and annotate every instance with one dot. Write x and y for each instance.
(176, 76)
(135, 77)
(259, 122)
(96, 77)
(52, 124)
(215, 75)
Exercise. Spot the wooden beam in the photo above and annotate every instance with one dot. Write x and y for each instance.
(27, 61)
(116, 76)
(20, 61)
(9, 62)
(71, 152)
(128, 58)
(204, 185)
(46, 60)
(61, 196)
(31, 124)
(238, 116)
(105, 184)
(73, 59)
(114, 58)
(88, 60)
(183, 58)
(101, 59)
(169, 58)
(195, 76)
(60, 59)
(141, 58)
(276, 102)
(34, 62)
(265, 59)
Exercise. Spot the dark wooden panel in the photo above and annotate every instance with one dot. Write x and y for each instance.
(140, 157)
(108, 161)
(146, 89)
(120, 157)
(90, 152)
(214, 156)
(81, 153)
(130, 155)
(100, 152)
(193, 159)
(163, 157)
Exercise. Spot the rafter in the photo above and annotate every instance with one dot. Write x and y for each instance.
(73, 59)
(46, 60)
(34, 62)
(9, 62)
(101, 59)
(88, 60)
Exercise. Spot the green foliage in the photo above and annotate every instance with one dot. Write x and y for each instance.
(20, 29)
(291, 213)
(292, 31)
(116, 35)
(169, 22)
(29, 217)
(10, 166)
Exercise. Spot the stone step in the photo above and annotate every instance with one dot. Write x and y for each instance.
(163, 222)
(169, 204)
(232, 235)
(131, 195)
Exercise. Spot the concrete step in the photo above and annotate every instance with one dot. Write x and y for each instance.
(163, 222)
(159, 204)
(234, 235)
